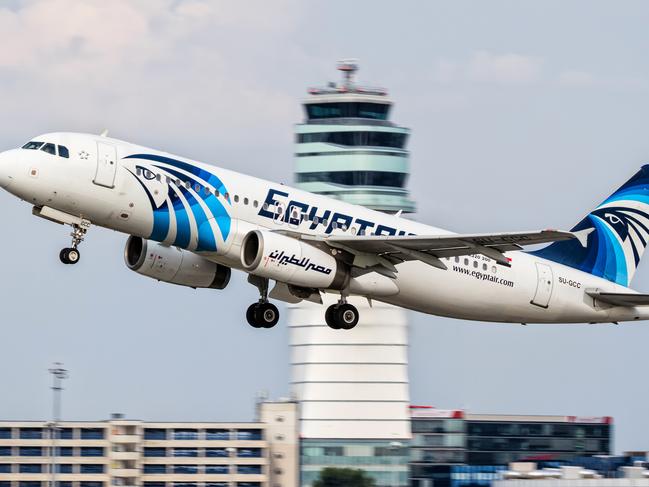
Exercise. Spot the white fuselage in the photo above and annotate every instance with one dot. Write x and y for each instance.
(111, 193)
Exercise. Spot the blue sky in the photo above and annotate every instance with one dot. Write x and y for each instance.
(524, 115)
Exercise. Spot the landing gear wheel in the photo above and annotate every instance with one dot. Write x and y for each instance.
(262, 315)
(69, 256)
(266, 315)
(329, 317)
(250, 316)
(346, 315)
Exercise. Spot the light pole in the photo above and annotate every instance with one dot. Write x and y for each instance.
(395, 446)
(58, 374)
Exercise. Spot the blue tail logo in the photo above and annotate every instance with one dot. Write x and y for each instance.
(619, 231)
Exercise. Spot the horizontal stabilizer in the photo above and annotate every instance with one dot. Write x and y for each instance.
(621, 299)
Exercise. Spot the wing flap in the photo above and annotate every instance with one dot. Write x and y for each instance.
(621, 299)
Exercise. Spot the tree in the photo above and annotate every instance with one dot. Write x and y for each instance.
(343, 477)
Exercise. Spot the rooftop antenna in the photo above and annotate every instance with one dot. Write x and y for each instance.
(58, 374)
(348, 68)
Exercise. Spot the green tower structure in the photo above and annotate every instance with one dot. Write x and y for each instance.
(348, 148)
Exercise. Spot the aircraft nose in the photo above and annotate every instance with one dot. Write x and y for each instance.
(5, 169)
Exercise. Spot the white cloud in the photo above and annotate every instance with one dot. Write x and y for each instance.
(576, 78)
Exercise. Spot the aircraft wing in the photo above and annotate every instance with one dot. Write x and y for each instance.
(621, 299)
(372, 250)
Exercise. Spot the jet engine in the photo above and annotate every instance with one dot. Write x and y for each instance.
(173, 265)
(285, 259)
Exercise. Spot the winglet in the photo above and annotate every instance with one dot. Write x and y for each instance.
(582, 235)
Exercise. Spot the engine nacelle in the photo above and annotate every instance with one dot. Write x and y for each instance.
(285, 259)
(173, 265)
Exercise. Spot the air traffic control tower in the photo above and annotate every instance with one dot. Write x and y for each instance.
(352, 385)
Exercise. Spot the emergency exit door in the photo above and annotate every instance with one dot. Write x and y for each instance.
(106, 165)
(543, 285)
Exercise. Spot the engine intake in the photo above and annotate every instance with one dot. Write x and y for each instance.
(173, 265)
(285, 259)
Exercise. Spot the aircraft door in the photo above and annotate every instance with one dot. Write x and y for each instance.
(106, 165)
(543, 285)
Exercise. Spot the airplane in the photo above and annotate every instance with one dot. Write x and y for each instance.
(189, 223)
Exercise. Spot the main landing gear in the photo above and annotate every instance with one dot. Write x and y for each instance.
(262, 314)
(342, 315)
(71, 255)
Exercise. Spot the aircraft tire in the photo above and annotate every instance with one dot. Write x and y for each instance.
(250, 315)
(266, 315)
(330, 318)
(346, 315)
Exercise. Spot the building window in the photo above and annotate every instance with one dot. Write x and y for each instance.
(216, 452)
(213, 434)
(217, 469)
(64, 468)
(185, 434)
(31, 433)
(217, 484)
(355, 178)
(91, 468)
(30, 468)
(249, 452)
(67, 483)
(185, 452)
(185, 484)
(155, 434)
(249, 434)
(92, 451)
(66, 451)
(5, 433)
(91, 484)
(5, 483)
(154, 484)
(5, 451)
(65, 433)
(249, 469)
(155, 452)
(356, 138)
(29, 483)
(153, 468)
(5, 467)
(92, 434)
(30, 451)
(248, 484)
(376, 111)
(186, 469)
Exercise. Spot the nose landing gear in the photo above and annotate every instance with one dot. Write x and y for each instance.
(262, 314)
(71, 255)
(342, 315)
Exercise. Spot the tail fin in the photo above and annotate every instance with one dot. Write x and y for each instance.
(616, 234)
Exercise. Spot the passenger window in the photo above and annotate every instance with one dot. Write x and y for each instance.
(138, 171)
(324, 222)
(265, 206)
(334, 225)
(178, 182)
(206, 190)
(484, 267)
(49, 148)
(197, 187)
(158, 177)
(475, 264)
(466, 261)
(64, 152)
(33, 145)
(255, 203)
(236, 198)
(316, 220)
(227, 196)
(493, 269)
(353, 230)
(188, 185)
(457, 259)
(245, 201)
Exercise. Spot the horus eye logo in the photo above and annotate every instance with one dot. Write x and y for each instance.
(629, 224)
(613, 219)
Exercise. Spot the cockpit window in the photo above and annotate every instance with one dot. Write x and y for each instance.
(64, 152)
(33, 145)
(49, 148)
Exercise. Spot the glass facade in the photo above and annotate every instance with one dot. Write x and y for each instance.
(375, 111)
(92, 434)
(356, 138)
(355, 178)
(386, 464)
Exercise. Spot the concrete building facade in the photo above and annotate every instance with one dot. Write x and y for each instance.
(128, 453)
